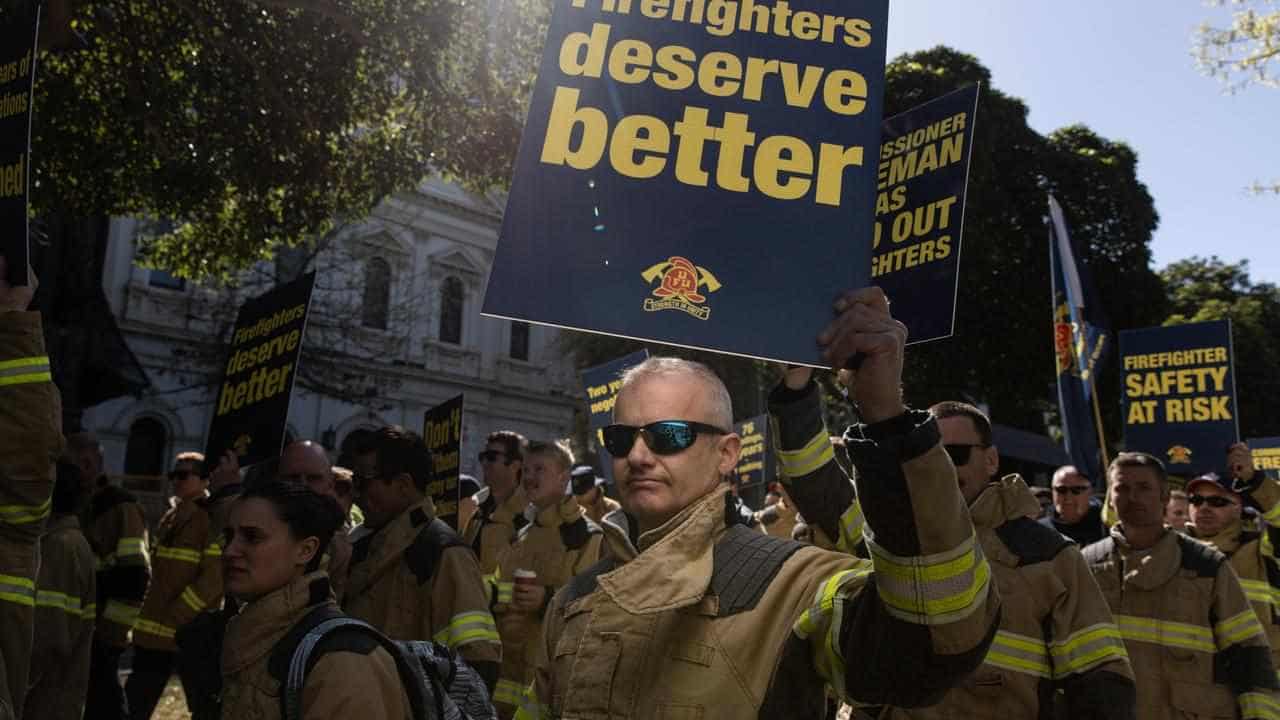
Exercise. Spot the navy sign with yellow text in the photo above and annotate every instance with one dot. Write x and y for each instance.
(1266, 455)
(442, 432)
(697, 172)
(18, 30)
(1180, 394)
(602, 383)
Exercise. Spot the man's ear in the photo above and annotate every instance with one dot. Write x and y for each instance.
(729, 447)
(991, 460)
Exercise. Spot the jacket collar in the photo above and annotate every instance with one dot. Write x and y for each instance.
(1152, 568)
(261, 624)
(673, 569)
(1006, 499)
(381, 550)
(1227, 541)
(565, 511)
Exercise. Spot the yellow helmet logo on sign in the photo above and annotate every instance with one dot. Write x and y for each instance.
(1179, 455)
(679, 287)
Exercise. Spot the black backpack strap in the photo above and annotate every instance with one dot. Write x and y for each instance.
(423, 556)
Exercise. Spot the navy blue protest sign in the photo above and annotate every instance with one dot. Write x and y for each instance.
(922, 179)
(697, 172)
(602, 383)
(19, 28)
(755, 469)
(1266, 455)
(442, 432)
(1179, 400)
(251, 412)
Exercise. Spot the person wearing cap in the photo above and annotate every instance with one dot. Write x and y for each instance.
(1197, 648)
(1076, 512)
(589, 489)
(500, 504)
(1220, 516)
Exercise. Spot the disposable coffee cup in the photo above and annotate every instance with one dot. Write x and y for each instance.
(525, 577)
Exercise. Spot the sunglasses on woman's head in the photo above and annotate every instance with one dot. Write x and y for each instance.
(665, 437)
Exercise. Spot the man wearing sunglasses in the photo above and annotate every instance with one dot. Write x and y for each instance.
(305, 462)
(714, 620)
(1076, 513)
(1196, 645)
(500, 504)
(1218, 517)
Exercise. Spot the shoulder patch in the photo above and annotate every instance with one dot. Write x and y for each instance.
(1030, 541)
(744, 563)
(585, 582)
(423, 555)
(1099, 552)
(577, 533)
(1201, 558)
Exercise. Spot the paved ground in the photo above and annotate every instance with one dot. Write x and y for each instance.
(173, 705)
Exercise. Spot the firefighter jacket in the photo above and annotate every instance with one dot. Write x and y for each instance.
(1056, 631)
(415, 579)
(1250, 546)
(493, 528)
(174, 596)
(117, 531)
(715, 620)
(349, 683)
(778, 520)
(601, 507)
(339, 563)
(206, 586)
(30, 441)
(65, 608)
(1196, 645)
(560, 543)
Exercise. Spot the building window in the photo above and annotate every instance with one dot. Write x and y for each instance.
(145, 452)
(377, 294)
(451, 311)
(162, 279)
(519, 340)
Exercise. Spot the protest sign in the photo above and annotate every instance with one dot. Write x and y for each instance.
(252, 410)
(697, 173)
(442, 432)
(1179, 400)
(1266, 455)
(19, 29)
(755, 468)
(603, 382)
(922, 181)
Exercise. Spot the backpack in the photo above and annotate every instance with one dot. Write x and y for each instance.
(440, 685)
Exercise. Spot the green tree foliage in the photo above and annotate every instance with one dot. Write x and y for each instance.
(1203, 289)
(260, 123)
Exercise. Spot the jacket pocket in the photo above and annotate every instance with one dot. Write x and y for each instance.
(1196, 701)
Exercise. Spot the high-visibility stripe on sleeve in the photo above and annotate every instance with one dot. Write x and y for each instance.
(1086, 649)
(176, 553)
(25, 514)
(815, 453)
(24, 370)
(466, 628)
(851, 526)
(214, 550)
(152, 627)
(1260, 591)
(509, 692)
(1019, 653)
(193, 600)
(1272, 516)
(504, 591)
(89, 611)
(130, 546)
(120, 613)
(59, 601)
(1258, 706)
(532, 709)
(932, 589)
(820, 624)
(1165, 632)
(17, 590)
(1237, 628)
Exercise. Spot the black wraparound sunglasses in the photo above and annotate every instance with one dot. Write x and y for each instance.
(665, 437)
(1071, 489)
(1214, 500)
(960, 452)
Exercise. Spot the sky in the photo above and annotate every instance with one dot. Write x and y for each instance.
(1125, 69)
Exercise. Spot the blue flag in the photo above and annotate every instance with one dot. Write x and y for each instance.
(1080, 341)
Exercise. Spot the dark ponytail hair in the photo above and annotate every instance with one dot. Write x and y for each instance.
(306, 512)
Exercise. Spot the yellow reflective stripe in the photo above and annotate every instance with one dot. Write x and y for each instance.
(1167, 633)
(815, 453)
(58, 601)
(176, 553)
(18, 590)
(508, 692)
(24, 514)
(1087, 648)
(1259, 591)
(1019, 653)
(214, 550)
(820, 624)
(1272, 516)
(120, 613)
(531, 709)
(24, 363)
(468, 627)
(1258, 706)
(25, 379)
(1236, 629)
(130, 546)
(193, 600)
(88, 611)
(932, 589)
(24, 370)
(851, 525)
(505, 589)
(151, 627)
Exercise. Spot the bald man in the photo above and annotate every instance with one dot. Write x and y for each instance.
(307, 463)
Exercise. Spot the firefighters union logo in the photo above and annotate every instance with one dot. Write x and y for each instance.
(680, 283)
(1179, 455)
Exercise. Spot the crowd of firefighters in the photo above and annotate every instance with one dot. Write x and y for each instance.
(894, 573)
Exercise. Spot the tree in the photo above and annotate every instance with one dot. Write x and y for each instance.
(1203, 289)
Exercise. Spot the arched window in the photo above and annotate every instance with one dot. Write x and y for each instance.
(519, 340)
(377, 294)
(451, 311)
(145, 452)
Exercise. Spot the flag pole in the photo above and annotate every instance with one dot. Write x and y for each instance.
(1102, 436)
